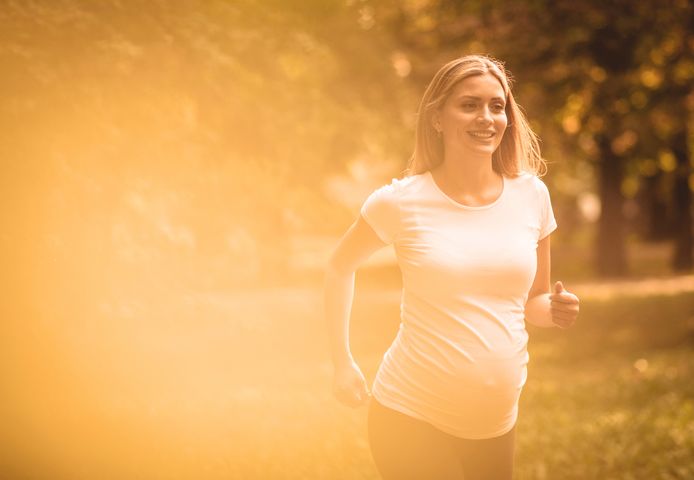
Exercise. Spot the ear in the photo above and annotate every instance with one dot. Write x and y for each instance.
(436, 120)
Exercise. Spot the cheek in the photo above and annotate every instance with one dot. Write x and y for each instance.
(501, 124)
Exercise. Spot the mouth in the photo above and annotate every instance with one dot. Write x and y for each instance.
(484, 134)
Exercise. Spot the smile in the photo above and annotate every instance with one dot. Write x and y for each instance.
(482, 134)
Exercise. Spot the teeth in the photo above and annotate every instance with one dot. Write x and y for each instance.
(482, 134)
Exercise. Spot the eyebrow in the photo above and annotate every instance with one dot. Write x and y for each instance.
(472, 97)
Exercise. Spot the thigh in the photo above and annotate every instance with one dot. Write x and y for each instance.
(488, 459)
(405, 448)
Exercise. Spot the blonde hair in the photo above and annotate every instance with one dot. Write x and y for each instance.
(519, 150)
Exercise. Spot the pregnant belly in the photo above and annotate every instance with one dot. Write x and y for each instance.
(486, 380)
(493, 373)
(471, 396)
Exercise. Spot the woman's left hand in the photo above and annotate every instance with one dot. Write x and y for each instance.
(564, 306)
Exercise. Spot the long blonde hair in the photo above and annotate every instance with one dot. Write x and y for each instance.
(519, 150)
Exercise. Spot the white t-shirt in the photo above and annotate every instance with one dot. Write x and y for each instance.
(459, 360)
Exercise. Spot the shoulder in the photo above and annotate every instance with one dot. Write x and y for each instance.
(531, 181)
(401, 184)
(382, 208)
(396, 187)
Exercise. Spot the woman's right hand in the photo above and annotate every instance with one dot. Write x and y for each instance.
(349, 385)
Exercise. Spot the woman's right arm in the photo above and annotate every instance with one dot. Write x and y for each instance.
(356, 246)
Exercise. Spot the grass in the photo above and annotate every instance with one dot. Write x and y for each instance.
(612, 398)
(238, 385)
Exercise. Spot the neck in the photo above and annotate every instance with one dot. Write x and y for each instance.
(471, 174)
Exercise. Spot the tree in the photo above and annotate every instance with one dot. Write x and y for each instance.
(195, 126)
(588, 59)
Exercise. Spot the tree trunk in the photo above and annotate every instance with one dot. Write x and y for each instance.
(610, 248)
(682, 201)
(657, 224)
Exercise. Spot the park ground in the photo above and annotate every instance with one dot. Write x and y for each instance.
(237, 384)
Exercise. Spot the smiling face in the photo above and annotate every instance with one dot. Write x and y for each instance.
(473, 118)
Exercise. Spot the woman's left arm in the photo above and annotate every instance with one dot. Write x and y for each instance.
(545, 308)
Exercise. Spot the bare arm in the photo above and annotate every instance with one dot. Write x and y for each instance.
(357, 245)
(546, 309)
(537, 308)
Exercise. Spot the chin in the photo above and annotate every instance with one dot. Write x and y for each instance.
(489, 150)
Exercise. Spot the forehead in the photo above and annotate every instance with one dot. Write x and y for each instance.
(483, 86)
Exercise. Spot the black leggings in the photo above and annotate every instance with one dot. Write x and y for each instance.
(405, 448)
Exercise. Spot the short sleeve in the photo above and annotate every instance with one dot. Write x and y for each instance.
(382, 211)
(547, 221)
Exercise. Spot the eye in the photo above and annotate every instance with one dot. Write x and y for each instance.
(469, 106)
(498, 107)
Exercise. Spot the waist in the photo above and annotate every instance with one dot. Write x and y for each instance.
(462, 344)
(436, 365)
(481, 327)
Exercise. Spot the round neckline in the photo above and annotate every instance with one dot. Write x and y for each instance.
(469, 207)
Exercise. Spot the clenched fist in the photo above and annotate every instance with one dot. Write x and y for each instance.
(564, 306)
(349, 385)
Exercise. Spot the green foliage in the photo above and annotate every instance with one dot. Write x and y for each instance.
(184, 131)
(230, 115)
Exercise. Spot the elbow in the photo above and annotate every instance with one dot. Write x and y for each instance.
(538, 324)
(538, 312)
(536, 292)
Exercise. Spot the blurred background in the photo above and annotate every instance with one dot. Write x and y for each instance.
(176, 174)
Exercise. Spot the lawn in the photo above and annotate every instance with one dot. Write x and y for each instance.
(237, 385)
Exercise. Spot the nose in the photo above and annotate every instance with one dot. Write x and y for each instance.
(485, 116)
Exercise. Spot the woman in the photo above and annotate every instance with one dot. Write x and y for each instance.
(470, 223)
